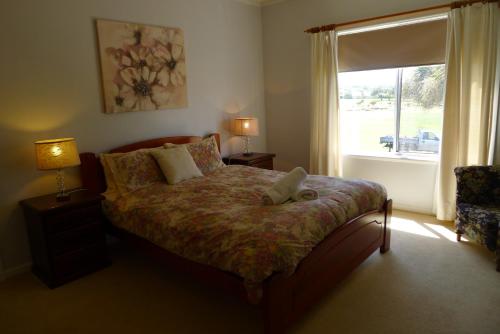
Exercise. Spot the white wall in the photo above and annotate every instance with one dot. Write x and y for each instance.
(287, 83)
(49, 86)
(410, 183)
(287, 64)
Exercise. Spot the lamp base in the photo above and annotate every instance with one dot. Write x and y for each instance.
(62, 195)
(247, 154)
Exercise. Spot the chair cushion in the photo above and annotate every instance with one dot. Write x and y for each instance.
(480, 223)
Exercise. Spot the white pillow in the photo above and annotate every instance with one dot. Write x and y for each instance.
(176, 164)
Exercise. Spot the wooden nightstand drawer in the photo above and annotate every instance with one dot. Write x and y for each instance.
(73, 219)
(258, 160)
(67, 238)
(266, 164)
(77, 238)
(79, 262)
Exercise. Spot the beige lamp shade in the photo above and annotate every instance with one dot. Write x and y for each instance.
(56, 153)
(246, 126)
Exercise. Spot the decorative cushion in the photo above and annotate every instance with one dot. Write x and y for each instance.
(111, 187)
(130, 171)
(177, 164)
(205, 154)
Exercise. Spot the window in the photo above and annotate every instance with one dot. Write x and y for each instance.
(396, 110)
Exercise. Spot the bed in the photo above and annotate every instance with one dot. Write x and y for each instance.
(282, 258)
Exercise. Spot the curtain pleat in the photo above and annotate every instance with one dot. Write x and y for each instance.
(469, 106)
(325, 157)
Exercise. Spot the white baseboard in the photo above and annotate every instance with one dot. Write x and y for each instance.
(15, 271)
(411, 208)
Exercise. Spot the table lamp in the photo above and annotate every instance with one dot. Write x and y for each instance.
(57, 154)
(246, 127)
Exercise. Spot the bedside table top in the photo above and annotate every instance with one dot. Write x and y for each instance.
(254, 156)
(49, 202)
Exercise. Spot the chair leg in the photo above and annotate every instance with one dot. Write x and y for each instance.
(459, 235)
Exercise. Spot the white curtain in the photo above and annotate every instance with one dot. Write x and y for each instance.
(469, 121)
(325, 156)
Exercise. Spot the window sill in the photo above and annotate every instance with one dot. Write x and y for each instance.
(415, 158)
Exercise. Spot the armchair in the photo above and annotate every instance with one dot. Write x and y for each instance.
(478, 206)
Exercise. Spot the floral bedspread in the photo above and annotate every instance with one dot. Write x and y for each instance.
(219, 220)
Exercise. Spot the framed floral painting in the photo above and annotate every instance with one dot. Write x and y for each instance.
(143, 67)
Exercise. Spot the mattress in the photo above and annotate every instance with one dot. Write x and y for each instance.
(219, 220)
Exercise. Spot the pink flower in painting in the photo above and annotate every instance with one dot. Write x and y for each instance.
(170, 55)
(132, 34)
(140, 92)
(142, 57)
(136, 34)
(146, 67)
(173, 68)
(132, 56)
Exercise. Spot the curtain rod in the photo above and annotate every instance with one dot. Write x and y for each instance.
(453, 5)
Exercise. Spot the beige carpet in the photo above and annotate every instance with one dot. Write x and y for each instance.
(426, 284)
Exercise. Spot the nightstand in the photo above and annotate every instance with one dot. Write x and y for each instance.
(259, 160)
(67, 239)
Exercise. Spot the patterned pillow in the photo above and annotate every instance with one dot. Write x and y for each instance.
(205, 154)
(131, 171)
(111, 187)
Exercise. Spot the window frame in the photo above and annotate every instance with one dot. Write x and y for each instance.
(396, 152)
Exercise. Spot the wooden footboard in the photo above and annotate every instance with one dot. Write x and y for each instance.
(286, 299)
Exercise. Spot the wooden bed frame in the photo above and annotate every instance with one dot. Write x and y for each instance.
(284, 298)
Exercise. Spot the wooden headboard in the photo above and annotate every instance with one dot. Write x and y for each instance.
(92, 173)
